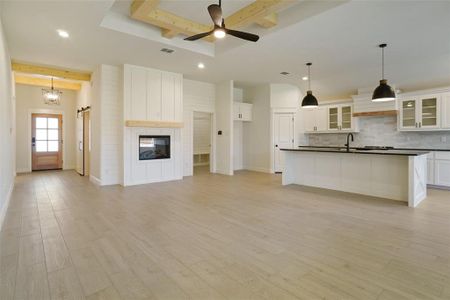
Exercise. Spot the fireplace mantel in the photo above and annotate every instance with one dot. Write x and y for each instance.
(153, 124)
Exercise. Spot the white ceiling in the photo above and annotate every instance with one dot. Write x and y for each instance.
(340, 39)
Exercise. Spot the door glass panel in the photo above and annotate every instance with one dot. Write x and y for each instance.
(333, 118)
(346, 117)
(41, 122)
(53, 146)
(41, 146)
(53, 123)
(409, 113)
(429, 112)
(53, 134)
(41, 134)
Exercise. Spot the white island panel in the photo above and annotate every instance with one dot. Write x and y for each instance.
(397, 177)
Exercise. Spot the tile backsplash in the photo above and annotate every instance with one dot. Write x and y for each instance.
(382, 131)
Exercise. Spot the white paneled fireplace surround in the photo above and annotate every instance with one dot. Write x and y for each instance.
(144, 171)
(153, 106)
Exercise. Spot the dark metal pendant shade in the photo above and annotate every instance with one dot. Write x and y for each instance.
(383, 92)
(309, 100)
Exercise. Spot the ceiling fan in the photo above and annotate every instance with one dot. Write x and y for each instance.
(219, 30)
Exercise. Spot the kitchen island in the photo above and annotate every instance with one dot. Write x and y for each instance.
(393, 174)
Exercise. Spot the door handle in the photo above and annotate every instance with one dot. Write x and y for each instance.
(33, 141)
(276, 146)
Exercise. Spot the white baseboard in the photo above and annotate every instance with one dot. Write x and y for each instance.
(69, 167)
(95, 180)
(257, 169)
(4, 208)
(23, 170)
(229, 173)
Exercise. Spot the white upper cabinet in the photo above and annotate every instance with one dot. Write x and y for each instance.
(242, 111)
(445, 111)
(152, 95)
(315, 119)
(340, 118)
(420, 113)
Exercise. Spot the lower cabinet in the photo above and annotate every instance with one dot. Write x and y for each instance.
(439, 168)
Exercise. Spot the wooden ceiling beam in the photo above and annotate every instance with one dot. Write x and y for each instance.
(170, 23)
(141, 8)
(268, 21)
(44, 82)
(254, 12)
(168, 34)
(39, 70)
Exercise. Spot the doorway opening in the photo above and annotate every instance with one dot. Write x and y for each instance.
(283, 137)
(46, 142)
(202, 139)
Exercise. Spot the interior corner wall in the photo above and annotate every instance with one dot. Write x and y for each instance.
(7, 128)
(257, 144)
(224, 124)
(238, 134)
(106, 125)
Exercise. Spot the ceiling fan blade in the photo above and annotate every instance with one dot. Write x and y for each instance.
(215, 11)
(198, 36)
(243, 35)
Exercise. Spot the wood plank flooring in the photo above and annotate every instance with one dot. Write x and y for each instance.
(218, 237)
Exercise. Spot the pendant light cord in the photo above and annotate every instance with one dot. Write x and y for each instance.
(309, 77)
(382, 63)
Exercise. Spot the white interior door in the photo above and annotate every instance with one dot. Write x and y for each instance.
(283, 137)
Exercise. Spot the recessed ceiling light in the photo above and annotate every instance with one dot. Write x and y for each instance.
(63, 33)
(284, 73)
(201, 66)
(304, 78)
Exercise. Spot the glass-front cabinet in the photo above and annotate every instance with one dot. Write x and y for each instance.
(420, 113)
(340, 118)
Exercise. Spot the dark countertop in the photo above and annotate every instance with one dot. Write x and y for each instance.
(329, 149)
(395, 148)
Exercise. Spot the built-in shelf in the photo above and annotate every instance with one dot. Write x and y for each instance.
(153, 124)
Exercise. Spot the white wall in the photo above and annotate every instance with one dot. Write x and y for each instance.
(7, 130)
(202, 132)
(29, 100)
(106, 125)
(200, 97)
(257, 143)
(238, 134)
(83, 100)
(224, 123)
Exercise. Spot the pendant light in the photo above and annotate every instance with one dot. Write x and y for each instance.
(383, 92)
(52, 95)
(309, 100)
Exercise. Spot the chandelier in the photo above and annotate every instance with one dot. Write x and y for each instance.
(51, 96)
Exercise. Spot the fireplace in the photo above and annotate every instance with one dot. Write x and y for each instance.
(154, 147)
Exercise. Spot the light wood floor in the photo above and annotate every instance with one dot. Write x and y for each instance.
(219, 237)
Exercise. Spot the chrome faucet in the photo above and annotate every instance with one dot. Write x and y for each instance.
(348, 141)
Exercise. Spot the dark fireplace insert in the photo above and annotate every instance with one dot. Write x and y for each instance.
(154, 147)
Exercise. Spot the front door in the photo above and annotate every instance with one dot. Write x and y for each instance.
(46, 142)
(283, 137)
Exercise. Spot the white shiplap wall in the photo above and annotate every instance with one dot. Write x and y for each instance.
(152, 95)
(200, 97)
(111, 124)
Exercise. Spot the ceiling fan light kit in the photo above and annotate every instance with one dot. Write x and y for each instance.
(383, 92)
(220, 30)
(309, 100)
